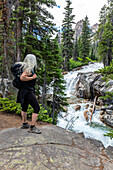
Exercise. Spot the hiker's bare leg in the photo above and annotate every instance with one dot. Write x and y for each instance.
(33, 128)
(24, 116)
(34, 119)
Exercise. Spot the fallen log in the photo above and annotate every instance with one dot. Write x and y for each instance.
(93, 108)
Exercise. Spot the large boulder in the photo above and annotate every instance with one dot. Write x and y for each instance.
(91, 84)
(107, 117)
(86, 115)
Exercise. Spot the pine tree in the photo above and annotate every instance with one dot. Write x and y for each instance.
(92, 56)
(32, 21)
(76, 50)
(1, 35)
(79, 44)
(110, 32)
(58, 82)
(67, 35)
(85, 39)
(102, 20)
(51, 77)
(104, 33)
(6, 39)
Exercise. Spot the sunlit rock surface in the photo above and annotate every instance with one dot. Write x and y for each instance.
(55, 148)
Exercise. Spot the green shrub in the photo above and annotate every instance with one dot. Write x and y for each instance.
(107, 71)
(75, 64)
(109, 134)
(109, 95)
(11, 106)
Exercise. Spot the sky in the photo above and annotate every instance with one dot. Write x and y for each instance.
(81, 8)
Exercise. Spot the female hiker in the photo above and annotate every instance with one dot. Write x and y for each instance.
(26, 94)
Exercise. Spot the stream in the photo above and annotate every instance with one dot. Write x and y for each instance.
(74, 120)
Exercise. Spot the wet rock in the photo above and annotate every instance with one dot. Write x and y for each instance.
(78, 68)
(85, 101)
(101, 112)
(109, 112)
(86, 112)
(98, 107)
(99, 102)
(107, 118)
(91, 106)
(91, 84)
(77, 107)
(90, 110)
(65, 72)
(84, 85)
(86, 106)
(79, 101)
(71, 101)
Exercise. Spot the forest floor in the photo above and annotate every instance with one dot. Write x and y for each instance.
(8, 120)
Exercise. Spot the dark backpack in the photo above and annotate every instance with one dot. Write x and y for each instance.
(16, 70)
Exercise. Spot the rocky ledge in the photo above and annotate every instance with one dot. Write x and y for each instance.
(55, 148)
(90, 85)
(106, 115)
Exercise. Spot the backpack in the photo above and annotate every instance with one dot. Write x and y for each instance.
(16, 70)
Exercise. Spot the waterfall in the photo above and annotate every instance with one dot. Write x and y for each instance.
(74, 120)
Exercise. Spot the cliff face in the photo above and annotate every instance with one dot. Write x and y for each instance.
(94, 28)
(78, 30)
(79, 26)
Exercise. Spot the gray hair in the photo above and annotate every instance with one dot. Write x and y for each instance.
(29, 63)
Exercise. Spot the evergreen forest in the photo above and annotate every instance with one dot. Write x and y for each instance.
(27, 27)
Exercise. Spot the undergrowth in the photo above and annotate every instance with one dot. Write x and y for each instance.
(10, 106)
(75, 64)
(106, 72)
(109, 134)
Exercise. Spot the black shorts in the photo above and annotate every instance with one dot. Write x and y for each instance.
(30, 98)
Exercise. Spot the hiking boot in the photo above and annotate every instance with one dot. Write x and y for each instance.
(34, 130)
(25, 125)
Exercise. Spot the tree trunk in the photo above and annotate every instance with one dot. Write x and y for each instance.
(19, 34)
(110, 53)
(31, 23)
(44, 89)
(5, 62)
(53, 106)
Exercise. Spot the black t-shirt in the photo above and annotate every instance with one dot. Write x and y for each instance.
(29, 84)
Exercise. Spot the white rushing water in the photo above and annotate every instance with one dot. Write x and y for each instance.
(74, 120)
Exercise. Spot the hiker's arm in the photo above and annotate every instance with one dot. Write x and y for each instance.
(25, 77)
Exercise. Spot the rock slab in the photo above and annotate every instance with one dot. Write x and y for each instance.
(54, 149)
